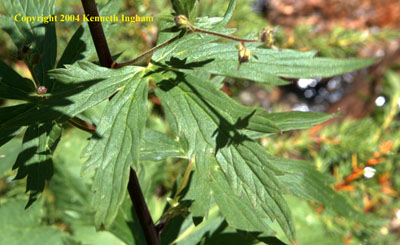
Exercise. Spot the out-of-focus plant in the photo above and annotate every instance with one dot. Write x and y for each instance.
(362, 158)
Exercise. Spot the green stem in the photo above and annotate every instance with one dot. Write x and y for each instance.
(145, 54)
(226, 36)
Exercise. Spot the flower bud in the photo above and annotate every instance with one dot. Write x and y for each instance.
(41, 90)
(183, 22)
(244, 53)
(267, 36)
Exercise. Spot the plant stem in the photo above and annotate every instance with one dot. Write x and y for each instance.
(143, 55)
(31, 70)
(135, 193)
(226, 36)
(96, 30)
(150, 232)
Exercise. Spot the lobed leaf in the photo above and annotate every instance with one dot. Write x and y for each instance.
(267, 65)
(115, 147)
(85, 85)
(232, 113)
(241, 163)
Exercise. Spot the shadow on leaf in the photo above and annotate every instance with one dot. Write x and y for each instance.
(226, 133)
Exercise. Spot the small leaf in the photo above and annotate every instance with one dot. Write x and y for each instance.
(115, 148)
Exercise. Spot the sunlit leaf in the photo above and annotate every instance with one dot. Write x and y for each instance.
(115, 147)
(85, 85)
(240, 164)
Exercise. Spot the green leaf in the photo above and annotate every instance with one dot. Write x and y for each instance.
(189, 233)
(297, 119)
(85, 85)
(229, 13)
(267, 65)
(89, 235)
(292, 120)
(8, 134)
(9, 113)
(304, 181)
(34, 161)
(8, 155)
(240, 213)
(39, 36)
(115, 148)
(184, 7)
(240, 163)
(241, 117)
(198, 191)
(81, 46)
(157, 146)
(26, 227)
(191, 40)
(126, 225)
(12, 85)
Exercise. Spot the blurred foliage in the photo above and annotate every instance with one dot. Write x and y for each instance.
(347, 150)
(362, 157)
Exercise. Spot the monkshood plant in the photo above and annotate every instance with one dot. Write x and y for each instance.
(230, 180)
